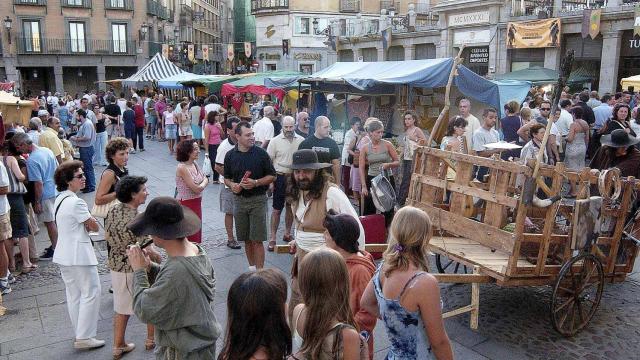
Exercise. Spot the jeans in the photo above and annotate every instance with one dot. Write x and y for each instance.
(138, 138)
(99, 148)
(86, 156)
(153, 122)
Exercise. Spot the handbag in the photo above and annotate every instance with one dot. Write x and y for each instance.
(382, 192)
(206, 166)
(101, 211)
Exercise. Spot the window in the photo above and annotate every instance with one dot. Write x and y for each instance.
(306, 69)
(302, 26)
(118, 4)
(73, 2)
(119, 36)
(76, 35)
(31, 32)
(270, 67)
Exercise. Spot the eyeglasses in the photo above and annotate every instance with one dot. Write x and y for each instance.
(545, 109)
(79, 176)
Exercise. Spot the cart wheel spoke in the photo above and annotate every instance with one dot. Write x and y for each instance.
(563, 319)
(588, 286)
(570, 291)
(569, 301)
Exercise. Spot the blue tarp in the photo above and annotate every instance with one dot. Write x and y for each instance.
(282, 82)
(172, 82)
(382, 76)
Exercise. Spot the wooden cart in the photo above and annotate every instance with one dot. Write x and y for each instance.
(488, 228)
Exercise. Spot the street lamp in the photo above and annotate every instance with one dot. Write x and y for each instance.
(144, 29)
(176, 34)
(7, 25)
(326, 31)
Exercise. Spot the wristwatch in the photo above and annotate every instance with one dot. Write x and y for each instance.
(255, 182)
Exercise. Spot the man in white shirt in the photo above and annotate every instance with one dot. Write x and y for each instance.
(309, 215)
(473, 124)
(280, 150)
(486, 134)
(5, 230)
(212, 105)
(263, 128)
(226, 196)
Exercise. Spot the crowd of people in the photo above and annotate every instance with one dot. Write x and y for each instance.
(337, 290)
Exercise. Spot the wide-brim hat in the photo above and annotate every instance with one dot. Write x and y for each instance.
(619, 138)
(166, 219)
(305, 159)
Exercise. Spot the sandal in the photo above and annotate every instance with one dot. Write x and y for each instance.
(287, 238)
(233, 245)
(272, 245)
(149, 344)
(28, 269)
(118, 352)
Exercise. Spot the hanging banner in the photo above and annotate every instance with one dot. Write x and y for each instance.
(247, 49)
(636, 21)
(285, 47)
(205, 52)
(230, 52)
(386, 38)
(533, 34)
(591, 23)
(165, 50)
(191, 53)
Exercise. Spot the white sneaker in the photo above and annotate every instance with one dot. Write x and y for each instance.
(90, 343)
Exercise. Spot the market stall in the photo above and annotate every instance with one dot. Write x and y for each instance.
(158, 68)
(632, 81)
(14, 110)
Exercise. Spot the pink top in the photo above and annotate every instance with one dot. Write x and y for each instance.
(214, 134)
(184, 192)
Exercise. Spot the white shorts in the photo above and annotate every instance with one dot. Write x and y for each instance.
(48, 210)
(122, 284)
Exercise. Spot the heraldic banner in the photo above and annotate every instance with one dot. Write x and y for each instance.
(533, 34)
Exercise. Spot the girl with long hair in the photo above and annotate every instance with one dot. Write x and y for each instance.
(257, 327)
(323, 326)
(405, 296)
(620, 117)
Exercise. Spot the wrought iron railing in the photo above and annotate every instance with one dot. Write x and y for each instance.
(30, 2)
(118, 4)
(575, 6)
(68, 46)
(258, 6)
(531, 8)
(350, 6)
(155, 8)
(85, 4)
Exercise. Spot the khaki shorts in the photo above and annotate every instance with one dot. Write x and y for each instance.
(122, 284)
(48, 210)
(5, 227)
(250, 217)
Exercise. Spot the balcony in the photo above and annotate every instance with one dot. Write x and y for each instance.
(390, 5)
(532, 8)
(30, 2)
(47, 46)
(355, 27)
(422, 8)
(80, 4)
(352, 6)
(626, 3)
(119, 5)
(154, 8)
(268, 6)
(575, 7)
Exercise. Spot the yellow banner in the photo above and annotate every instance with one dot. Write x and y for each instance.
(533, 34)
(191, 53)
(205, 52)
(165, 50)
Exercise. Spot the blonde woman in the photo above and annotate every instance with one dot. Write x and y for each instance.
(405, 296)
(324, 319)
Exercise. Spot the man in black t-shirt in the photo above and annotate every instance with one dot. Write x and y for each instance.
(326, 148)
(248, 171)
(113, 113)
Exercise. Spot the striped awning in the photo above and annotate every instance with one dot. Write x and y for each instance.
(157, 68)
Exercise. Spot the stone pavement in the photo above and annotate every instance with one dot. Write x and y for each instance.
(513, 321)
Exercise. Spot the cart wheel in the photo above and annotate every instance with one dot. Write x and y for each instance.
(446, 265)
(576, 294)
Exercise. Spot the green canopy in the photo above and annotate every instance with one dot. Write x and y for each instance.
(536, 74)
(258, 78)
(213, 82)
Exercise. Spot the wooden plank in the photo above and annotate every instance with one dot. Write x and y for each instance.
(460, 192)
(458, 199)
(553, 238)
(475, 302)
(478, 160)
(517, 238)
(549, 221)
(495, 213)
(618, 230)
(464, 278)
(463, 227)
(431, 194)
(458, 311)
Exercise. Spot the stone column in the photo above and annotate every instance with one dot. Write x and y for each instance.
(357, 53)
(410, 52)
(382, 53)
(552, 58)
(58, 78)
(501, 55)
(611, 42)
(443, 49)
(101, 72)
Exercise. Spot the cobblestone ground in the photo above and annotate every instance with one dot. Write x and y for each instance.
(514, 322)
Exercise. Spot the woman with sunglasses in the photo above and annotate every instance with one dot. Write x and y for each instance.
(75, 256)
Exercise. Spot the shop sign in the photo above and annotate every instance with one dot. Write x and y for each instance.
(474, 18)
(533, 34)
(471, 37)
(307, 56)
(266, 56)
(479, 55)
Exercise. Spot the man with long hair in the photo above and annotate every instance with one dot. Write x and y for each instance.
(311, 195)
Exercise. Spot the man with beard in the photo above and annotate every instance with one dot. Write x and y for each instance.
(280, 150)
(311, 196)
(303, 124)
(618, 150)
(248, 172)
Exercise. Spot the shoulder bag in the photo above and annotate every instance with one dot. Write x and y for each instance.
(101, 211)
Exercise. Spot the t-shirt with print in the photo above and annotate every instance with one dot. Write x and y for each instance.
(326, 148)
(41, 166)
(4, 182)
(482, 136)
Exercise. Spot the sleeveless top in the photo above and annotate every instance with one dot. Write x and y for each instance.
(375, 160)
(169, 118)
(119, 175)
(409, 335)
(15, 186)
(184, 192)
(214, 134)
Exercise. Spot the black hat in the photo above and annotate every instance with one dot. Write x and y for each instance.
(306, 159)
(618, 139)
(166, 219)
